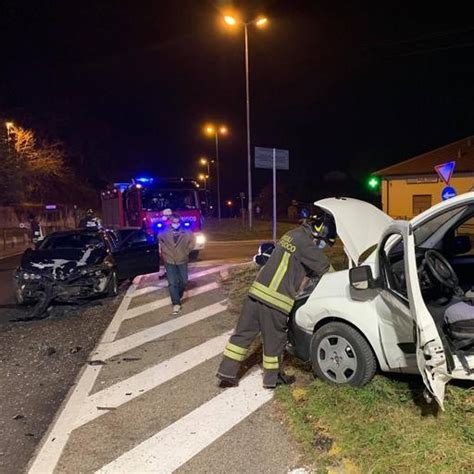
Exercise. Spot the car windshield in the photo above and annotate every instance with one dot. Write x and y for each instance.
(180, 199)
(437, 224)
(71, 241)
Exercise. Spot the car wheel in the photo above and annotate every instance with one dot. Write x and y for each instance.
(112, 288)
(194, 255)
(340, 355)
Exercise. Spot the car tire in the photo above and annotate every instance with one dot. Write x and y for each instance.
(341, 355)
(194, 255)
(112, 287)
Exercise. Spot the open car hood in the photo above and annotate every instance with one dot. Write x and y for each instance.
(360, 225)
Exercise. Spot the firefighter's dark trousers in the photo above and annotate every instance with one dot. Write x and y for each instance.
(256, 318)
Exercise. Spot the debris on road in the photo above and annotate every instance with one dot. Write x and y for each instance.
(96, 362)
(18, 417)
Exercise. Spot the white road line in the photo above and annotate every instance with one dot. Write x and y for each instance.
(149, 379)
(50, 450)
(192, 276)
(147, 308)
(178, 443)
(119, 346)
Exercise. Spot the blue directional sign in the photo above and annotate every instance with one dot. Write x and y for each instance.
(445, 170)
(448, 193)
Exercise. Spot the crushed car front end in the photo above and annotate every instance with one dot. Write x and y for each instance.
(82, 283)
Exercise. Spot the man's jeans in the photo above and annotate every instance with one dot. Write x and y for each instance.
(177, 279)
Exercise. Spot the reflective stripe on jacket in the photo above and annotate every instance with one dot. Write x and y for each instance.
(295, 256)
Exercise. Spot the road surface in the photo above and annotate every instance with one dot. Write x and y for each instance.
(157, 383)
(150, 402)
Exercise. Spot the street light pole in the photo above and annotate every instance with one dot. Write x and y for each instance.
(259, 22)
(249, 154)
(211, 130)
(218, 176)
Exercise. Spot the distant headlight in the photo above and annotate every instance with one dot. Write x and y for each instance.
(200, 239)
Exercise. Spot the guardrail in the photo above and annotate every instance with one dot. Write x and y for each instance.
(13, 238)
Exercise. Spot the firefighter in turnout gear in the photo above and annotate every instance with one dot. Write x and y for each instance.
(270, 300)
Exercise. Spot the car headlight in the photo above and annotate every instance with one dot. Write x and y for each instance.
(200, 239)
(30, 276)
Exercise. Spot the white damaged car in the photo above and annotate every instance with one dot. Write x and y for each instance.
(407, 307)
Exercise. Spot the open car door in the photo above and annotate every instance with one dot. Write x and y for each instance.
(430, 352)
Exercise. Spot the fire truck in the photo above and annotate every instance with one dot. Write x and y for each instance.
(141, 202)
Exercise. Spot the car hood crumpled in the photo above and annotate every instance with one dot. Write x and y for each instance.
(63, 261)
(360, 225)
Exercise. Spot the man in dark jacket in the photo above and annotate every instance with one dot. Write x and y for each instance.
(176, 245)
(270, 300)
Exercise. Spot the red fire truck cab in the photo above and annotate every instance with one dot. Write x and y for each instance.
(141, 203)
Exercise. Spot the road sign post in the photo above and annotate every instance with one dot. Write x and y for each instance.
(272, 158)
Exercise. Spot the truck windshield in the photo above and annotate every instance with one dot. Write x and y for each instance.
(157, 199)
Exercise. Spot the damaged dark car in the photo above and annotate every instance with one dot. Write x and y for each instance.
(76, 266)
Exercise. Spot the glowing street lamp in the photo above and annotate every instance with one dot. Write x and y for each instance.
(213, 130)
(230, 20)
(203, 177)
(260, 22)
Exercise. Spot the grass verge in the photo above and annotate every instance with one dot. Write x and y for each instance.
(235, 229)
(384, 427)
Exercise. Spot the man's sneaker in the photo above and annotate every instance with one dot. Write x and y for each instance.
(176, 309)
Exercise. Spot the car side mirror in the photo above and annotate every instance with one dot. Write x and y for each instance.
(361, 278)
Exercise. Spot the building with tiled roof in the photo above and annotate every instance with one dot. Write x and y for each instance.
(412, 186)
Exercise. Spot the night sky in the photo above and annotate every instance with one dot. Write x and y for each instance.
(345, 86)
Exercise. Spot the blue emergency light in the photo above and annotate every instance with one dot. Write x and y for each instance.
(144, 180)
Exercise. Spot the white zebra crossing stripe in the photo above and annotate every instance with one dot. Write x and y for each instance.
(57, 437)
(175, 445)
(149, 379)
(192, 276)
(119, 346)
(79, 403)
(149, 307)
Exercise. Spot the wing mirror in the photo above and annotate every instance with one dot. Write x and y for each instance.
(361, 278)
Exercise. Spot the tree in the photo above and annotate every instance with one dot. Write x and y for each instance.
(10, 183)
(43, 163)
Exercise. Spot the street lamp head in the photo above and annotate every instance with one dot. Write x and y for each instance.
(202, 177)
(209, 129)
(230, 20)
(229, 203)
(261, 22)
(223, 130)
